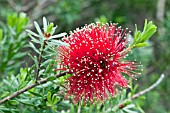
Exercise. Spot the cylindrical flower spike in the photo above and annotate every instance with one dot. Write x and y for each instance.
(95, 59)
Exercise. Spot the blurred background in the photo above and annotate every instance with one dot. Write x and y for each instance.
(70, 14)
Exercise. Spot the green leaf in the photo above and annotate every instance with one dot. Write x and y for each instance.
(45, 24)
(4, 94)
(34, 59)
(142, 97)
(140, 45)
(137, 36)
(49, 67)
(49, 28)
(1, 84)
(145, 25)
(12, 19)
(13, 102)
(38, 29)
(148, 34)
(49, 96)
(55, 99)
(1, 34)
(36, 94)
(32, 33)
(51, 78)
(140, 38)
(57, 36)
(7, 110)
(58, 42)
(46, 62)
(34, 48)
(23, 84)
(27, 104)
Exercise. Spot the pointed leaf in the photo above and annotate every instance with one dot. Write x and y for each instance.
(51, 78)
(140, 45)
(1, 34)
(58, 36)
(49, 96)
(13, 102)
(36, 94)
(38, 29)
(45, 24)
(32, 33)
(46, 62)
(34, 48)
(147, 35)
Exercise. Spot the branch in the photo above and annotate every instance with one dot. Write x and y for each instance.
(123, 104)
(17, 93)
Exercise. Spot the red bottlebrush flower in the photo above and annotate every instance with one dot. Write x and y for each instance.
(95, 58)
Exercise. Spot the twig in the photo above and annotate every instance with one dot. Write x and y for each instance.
(17, 93)
(39, 60)
(123, 104)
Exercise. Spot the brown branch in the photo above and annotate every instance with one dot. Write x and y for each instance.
(17, 93)
(123, 104)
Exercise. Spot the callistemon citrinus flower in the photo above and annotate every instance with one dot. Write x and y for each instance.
(95, 58)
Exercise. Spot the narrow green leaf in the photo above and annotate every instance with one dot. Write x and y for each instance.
(1, 84)
(142, 97)
(23, 84)
(27, 104)
(34, 39)
(58, 42)
(45, 24)
(49, 28)
(58, 36)
(32, 33)
(49, 96)
(34, 59)
(140, 45)
(1, 34)
(36, 94)
(134, 89)
(55, 99)
(46, 62)
(49, 104)
(137, 36)
(145, 25)
(13, 102)
(38, 29)
(49, 67)
(147, 35)
(34, 48)
(4, 94)
(7, 110)
(51, 78)
(129, 111)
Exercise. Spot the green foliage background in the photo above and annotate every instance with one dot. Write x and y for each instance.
(70, 14)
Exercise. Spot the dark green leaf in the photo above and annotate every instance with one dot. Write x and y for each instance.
(51, 78)
(13, 102)
(36, 94)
